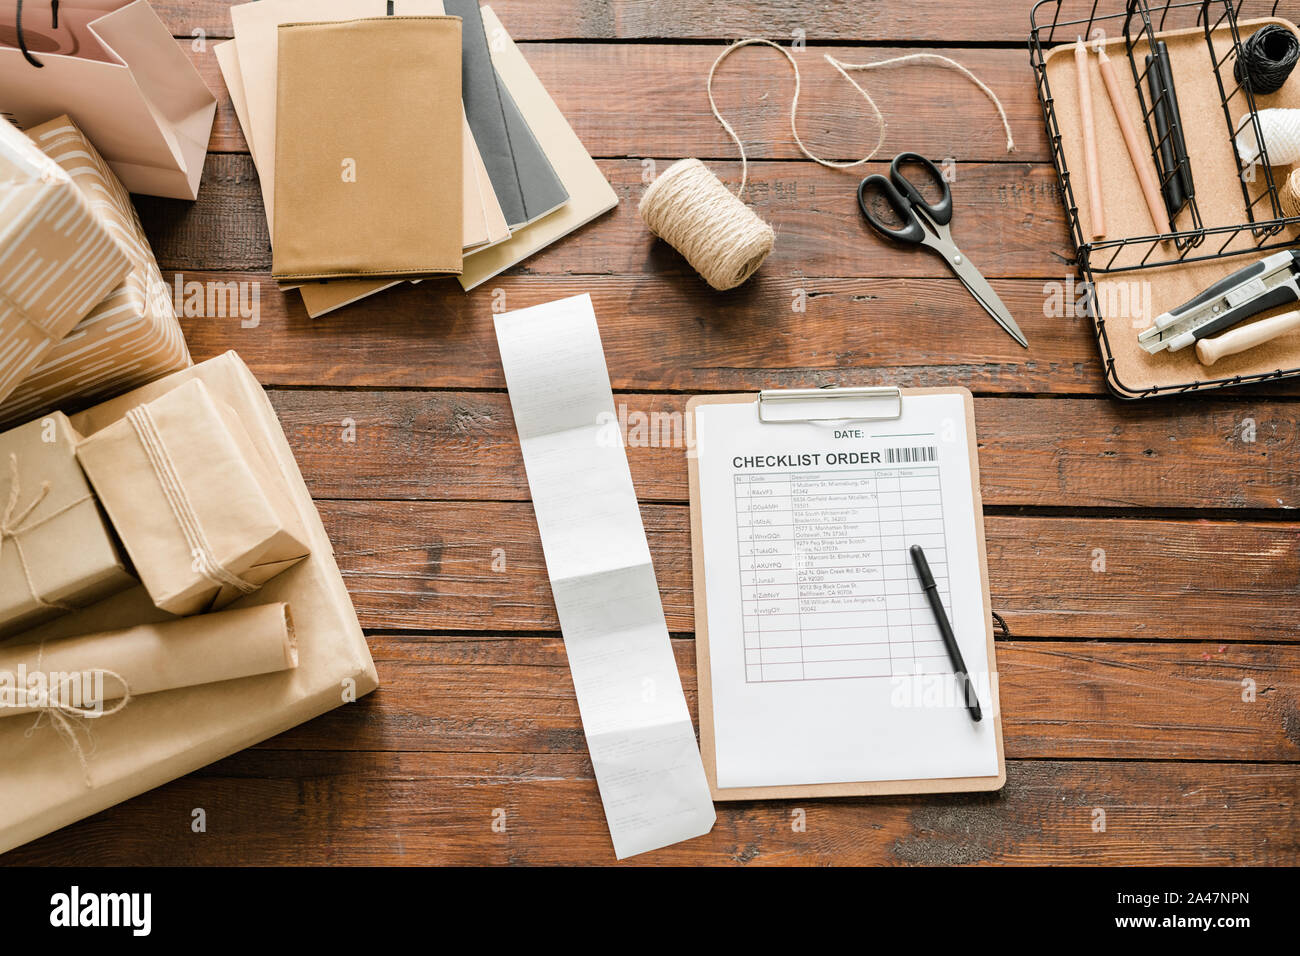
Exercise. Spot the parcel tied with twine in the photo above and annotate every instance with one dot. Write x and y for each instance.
(201, 512)
(723, 239)
(161, 736)
(56, 550)
(72, 681)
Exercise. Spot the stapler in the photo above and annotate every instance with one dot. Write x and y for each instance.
(1258, 287)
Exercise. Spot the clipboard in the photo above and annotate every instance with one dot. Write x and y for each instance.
(833, 404)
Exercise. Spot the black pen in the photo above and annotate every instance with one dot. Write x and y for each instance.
(950, 641)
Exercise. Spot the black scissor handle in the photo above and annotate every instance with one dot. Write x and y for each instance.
(940, 212)
(911, 230)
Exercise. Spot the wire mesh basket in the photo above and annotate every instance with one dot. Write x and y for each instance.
(1264, 224)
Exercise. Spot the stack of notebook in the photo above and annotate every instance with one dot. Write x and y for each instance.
(395, 144)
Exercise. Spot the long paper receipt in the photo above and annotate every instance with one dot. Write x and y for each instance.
(634, 714)
(826, 662)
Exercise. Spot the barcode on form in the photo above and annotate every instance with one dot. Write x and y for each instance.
(910, 456)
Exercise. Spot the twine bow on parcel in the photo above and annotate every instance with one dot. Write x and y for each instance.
(66, 718)
(15, 522)
(723, 239)
(51, 701)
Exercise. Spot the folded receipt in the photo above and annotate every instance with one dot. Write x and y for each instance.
(634, 714)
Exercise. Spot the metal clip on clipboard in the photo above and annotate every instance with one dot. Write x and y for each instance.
(830, 403)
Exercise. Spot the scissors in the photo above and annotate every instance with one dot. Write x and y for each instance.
(926, 224)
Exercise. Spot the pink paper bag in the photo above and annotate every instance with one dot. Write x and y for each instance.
(114, 67)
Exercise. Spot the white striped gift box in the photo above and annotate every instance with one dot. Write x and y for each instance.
(58, 259)
(130, 338)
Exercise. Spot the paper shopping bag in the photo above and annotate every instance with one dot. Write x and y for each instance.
(114, 67)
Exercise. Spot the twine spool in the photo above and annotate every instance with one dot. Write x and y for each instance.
(723, 239)
(1280, 131)
(1267, 58)
(1289, 195)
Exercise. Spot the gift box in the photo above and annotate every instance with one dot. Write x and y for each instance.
(202, 515)
(132, 336)
(57, 259)
(164, 735)
(56, 551)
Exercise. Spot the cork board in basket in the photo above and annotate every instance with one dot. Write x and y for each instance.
(1129, 300)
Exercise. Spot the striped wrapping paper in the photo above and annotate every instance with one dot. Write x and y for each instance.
(132, 336)
(57, 259)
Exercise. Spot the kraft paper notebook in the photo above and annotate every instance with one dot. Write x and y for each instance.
(248, 65)
(590, 194)
(821, 668)
(522, 177)
(322, 297)
(369, 152)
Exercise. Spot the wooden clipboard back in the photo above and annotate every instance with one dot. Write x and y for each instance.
(704, 675)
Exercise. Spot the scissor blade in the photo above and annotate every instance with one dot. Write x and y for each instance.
(978, 286)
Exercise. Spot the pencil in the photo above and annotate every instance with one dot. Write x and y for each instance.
(1150, 191)
(1096, 215)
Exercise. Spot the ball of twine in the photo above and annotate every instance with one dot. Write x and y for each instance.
(1289, 194)
(723, 239)
(1267, 58)
(1280, 131)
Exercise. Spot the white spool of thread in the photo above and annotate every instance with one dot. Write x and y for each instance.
(723, 239)
(1280, 130)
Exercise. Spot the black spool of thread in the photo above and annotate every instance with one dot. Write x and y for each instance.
(1267, 58)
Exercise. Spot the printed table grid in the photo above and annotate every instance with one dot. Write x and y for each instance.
(827, 586)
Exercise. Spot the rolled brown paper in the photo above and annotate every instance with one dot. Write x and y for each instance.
(204, 649)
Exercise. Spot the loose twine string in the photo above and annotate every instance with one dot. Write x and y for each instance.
(723, 239)
(50, 701)
(66, 718)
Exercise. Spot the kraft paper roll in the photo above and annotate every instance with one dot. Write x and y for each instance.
(204, 649)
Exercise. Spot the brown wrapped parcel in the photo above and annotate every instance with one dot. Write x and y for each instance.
(162, 736)
(82, 672)
(56, 551)
(203, 516)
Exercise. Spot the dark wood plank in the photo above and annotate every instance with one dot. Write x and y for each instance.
(1075, 700)
(1008, 220)
(430, 565)
(648, 100)
(1192, 453)
(667, 333)
(276, 807)
(820, 20)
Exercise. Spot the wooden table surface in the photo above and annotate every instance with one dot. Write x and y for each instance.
(1143, 555)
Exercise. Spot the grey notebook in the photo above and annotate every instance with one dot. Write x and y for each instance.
(522, 177)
